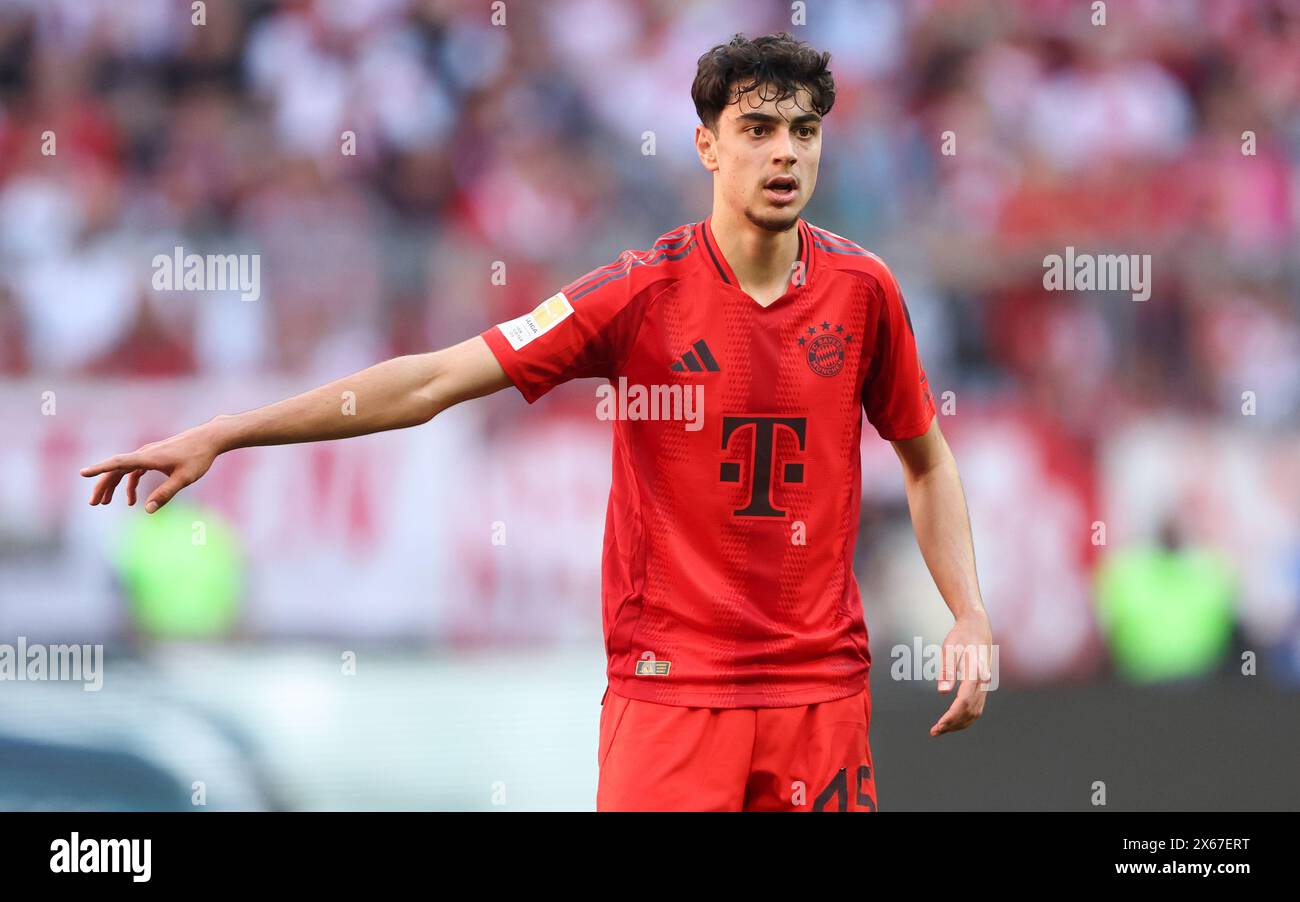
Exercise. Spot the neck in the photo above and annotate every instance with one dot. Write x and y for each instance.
(761, 259)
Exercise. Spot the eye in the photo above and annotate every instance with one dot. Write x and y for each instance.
(753, 127)
(808, 129)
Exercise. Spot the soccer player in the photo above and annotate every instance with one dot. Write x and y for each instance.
(737, 647)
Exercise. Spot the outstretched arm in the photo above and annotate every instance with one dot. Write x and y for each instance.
(942, 525)
(401, 392)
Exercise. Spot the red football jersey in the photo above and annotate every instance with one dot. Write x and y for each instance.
(729, 534)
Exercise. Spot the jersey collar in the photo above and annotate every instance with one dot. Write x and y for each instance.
(716, 263)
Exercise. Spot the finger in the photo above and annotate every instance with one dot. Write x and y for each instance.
(113, 479)
(952, 720)
(102, 467)
(101, 487)
(948, 669)
(956, 712)
(117, 462)
(165, 492)
(970, 680)
(132, 481)
(961, 714)
(943, 724)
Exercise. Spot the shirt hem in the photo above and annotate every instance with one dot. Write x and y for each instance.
(498, 344)
(683, 697)
(913, 430)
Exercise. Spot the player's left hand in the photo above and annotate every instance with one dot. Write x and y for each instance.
(968, 653)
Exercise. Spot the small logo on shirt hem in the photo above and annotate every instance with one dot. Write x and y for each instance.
(648, 666)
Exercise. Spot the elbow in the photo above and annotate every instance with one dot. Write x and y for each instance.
(429, 397)
(922, 468)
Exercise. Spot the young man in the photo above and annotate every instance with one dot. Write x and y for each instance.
(737, 648)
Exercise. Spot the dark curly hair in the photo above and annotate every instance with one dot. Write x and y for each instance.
(777, 60)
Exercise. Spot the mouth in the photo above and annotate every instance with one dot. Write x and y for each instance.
(781, 189)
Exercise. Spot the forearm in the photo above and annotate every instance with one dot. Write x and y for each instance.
(397, 393)
(394, 394)
(942, 525)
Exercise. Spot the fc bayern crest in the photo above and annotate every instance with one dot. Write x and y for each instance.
(824, 348)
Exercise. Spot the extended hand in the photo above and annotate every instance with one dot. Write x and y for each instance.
(183, 458)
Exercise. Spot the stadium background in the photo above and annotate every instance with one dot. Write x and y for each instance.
(479, 665)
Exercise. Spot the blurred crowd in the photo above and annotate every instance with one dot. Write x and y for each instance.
(479, 141)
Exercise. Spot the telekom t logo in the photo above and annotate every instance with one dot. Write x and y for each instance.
(761, 464)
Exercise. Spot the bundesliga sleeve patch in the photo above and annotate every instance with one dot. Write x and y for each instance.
(545, 317)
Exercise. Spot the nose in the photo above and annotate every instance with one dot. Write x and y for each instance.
(783, 151)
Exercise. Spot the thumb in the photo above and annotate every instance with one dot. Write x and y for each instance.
(165, 492)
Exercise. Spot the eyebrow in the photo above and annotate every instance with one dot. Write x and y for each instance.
(767, 118)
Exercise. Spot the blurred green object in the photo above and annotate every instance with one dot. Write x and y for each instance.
(1166, 613)
(182, 571)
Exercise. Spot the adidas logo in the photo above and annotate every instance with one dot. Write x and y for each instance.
(696, 364)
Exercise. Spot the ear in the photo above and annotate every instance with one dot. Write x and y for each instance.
(706, 145)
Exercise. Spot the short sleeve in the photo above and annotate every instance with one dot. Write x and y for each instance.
(573, 334)
(896, 393)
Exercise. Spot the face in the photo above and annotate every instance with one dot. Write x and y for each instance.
(760, 140)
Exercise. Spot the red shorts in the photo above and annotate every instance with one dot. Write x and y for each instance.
(656, 757)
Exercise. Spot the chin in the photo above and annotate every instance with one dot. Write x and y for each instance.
(774, 219)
